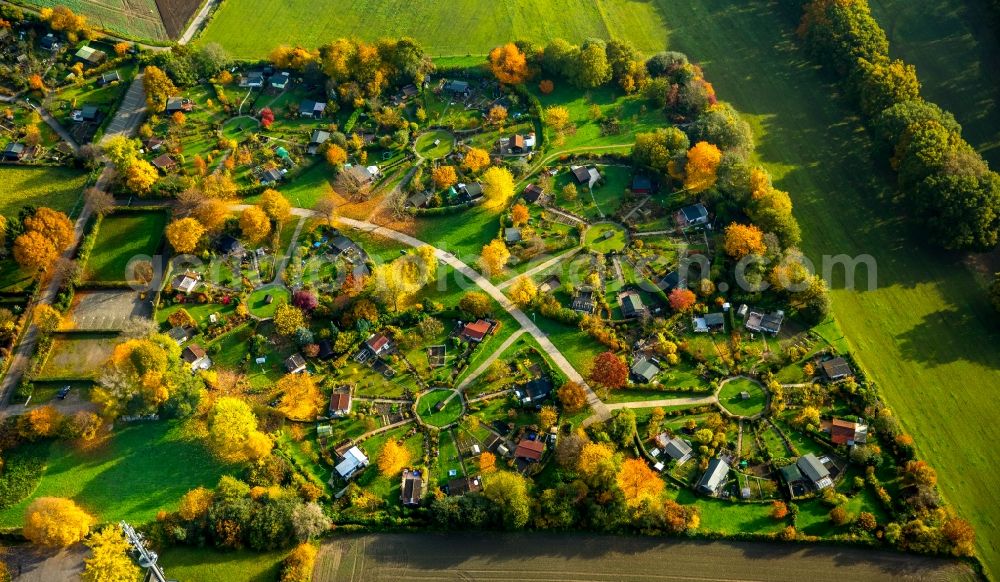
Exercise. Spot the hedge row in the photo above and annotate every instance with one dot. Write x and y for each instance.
(946, 184)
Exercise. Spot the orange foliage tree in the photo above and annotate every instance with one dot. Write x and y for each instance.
(572, 396)
(519, 214)
(608, 370)
(476, 159)
(509, 64)
(702, 166)
(744, 239)
(444, 176)
(638, 482)
(184, 234)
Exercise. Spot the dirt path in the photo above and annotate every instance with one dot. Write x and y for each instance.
(197, 22)
(470, 556)
(541, 267)
(600, 410)
(489, 361)
(688, 401)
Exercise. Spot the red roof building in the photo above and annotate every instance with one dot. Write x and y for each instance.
(340, 403)
(529, 450)
(475, 332)
(843, 432)
(378, 344)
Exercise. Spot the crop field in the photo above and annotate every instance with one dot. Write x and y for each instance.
(391, 557)
(926, 334)
(121, 238)
(957, 55)
(443, 28)
(143, 468)
(131, 18)
(57, 188)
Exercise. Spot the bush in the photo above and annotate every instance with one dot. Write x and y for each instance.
(22, 471)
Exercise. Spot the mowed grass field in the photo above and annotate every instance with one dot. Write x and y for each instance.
(141, 469)
(453, 28)
(926, 334)
(121, 238)
(58, 188)
(957, 55)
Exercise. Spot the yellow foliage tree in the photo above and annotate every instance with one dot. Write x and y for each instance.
(638, 482)
(184, 234)
(299, 564)
(476, 159)
(275, 205)
(494, 258)
(548, 417)
(557, 117)
(596, 460)
(300, 398)
(47, 318)
(523, 291)
(702, 166)
(34, 252)
(110, 560)
(56, 522)
(254, 224)
(336, 156)
(487, 463)
(393, 458)
(509, 64)
(140, 177)
(219, 185)
(212, 213)
(498, 186)
(444, 177)
(287, 319)
(744, 239)
(158, 87)
(233, 434)
(195, 503)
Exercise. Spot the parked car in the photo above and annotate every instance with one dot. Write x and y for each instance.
(63, 392)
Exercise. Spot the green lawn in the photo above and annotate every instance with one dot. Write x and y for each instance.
(447, 415)
(605, 237)
(257, 302)
(957, 55)
(210, 565)
(926, 334)
(426, 148)
(57, 188)
(143, 468)
(633, 113)
(731, 399)
(249, 29)
(121, 238)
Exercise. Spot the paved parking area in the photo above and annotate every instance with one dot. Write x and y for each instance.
(130, 114)
(104, 310)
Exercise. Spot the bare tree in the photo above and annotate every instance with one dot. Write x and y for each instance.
(100, 202)
(326, 210)
(353, 185)
(187, 202)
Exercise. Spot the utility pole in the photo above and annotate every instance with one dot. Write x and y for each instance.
(147, 558)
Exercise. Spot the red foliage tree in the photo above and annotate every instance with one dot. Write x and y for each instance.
(609, 370)
(682, 299)
(305, 300)
(266, 117)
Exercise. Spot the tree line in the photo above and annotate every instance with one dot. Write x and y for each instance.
(949, 187)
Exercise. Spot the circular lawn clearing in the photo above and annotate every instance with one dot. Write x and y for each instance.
(731, 397)
(260, 307)
(430, 411)
(426, 147)
(605, 237)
